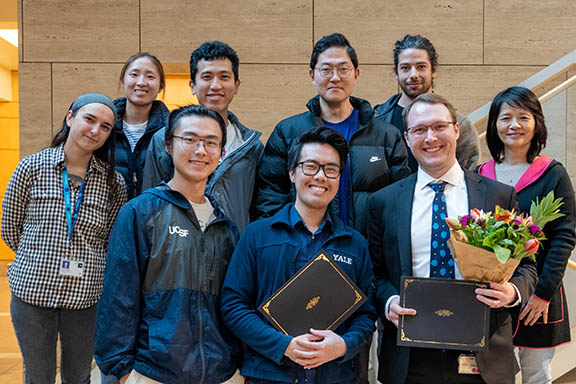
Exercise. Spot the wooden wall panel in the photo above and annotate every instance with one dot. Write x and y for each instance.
(34, 81)
(261, 31)
(470, 87)
(72, 80)
(270, 93)
(376, 83)
(84, 31)
(453, 26)
(529, 32)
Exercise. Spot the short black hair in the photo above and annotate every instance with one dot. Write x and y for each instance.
(320, 135)
(416, 42)
(192, 110)
(213, 50)
(335, 40)
(516, 97)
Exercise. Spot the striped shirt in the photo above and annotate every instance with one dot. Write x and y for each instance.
(34, 226)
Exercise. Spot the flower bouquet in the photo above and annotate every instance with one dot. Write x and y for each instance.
(489, 247)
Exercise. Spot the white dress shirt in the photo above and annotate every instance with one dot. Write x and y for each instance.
(456, 195)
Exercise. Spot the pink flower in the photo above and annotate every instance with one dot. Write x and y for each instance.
(475, 213)
(534, 229)
(531, 246)
(465, 220)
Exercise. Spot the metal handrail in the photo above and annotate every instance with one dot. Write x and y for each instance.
(537, 80)
(572, 264)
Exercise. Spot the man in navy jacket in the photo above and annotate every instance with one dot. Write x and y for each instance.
(272, 250)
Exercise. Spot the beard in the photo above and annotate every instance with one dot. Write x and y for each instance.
(413, 93)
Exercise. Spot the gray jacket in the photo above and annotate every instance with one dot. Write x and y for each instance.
(231, 184)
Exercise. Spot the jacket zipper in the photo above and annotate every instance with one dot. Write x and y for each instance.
(201, 342)
(249, 139)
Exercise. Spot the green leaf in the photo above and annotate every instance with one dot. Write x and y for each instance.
(502, 254)
(546, 210)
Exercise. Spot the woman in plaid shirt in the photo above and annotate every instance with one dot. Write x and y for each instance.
(58, 210)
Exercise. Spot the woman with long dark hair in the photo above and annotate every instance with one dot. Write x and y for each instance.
(58, 210)
(516, 135)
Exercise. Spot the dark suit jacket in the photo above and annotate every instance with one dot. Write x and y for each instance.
(390, 211)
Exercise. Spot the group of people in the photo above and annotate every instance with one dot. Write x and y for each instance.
(148, 238)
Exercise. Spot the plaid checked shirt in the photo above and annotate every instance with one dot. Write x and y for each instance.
(34, 226)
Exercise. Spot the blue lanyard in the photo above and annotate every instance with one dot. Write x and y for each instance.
(72, 217)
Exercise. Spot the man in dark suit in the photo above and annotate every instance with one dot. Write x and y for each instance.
(407, 236)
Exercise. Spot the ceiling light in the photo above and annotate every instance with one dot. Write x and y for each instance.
(10, 35)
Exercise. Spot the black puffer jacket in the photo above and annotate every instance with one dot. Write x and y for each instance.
(377, 159)
(131, 164)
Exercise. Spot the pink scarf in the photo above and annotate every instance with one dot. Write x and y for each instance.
(532, 174)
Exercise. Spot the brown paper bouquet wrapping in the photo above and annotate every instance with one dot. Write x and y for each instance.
(479, 264)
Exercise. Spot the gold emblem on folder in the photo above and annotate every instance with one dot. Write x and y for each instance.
(444, 313)
(312, 303)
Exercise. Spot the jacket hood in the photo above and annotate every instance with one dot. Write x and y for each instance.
(366, 113)
(157, 119)
(164, 192)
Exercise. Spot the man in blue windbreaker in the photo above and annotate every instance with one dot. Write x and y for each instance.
(272, 250)
(158, 317)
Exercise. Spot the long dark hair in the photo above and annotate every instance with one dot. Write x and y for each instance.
(105, 153)
(517, 97)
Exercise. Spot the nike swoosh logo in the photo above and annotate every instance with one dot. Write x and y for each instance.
(374, 159)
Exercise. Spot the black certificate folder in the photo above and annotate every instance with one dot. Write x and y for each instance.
(448, 314)
(319, 296)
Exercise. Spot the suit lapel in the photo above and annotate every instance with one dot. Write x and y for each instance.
(476, 190)
(404, 201)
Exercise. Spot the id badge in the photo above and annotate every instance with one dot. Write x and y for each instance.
(72, 268)
(467, 365)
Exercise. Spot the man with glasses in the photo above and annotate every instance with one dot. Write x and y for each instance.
(272, 250)
(158, 318)
(407, 236)
(377, 152)
(415, 68)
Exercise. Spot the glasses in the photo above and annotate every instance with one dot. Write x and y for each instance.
(327, 71)
(191, 142)
(311, 168)
(438, 128)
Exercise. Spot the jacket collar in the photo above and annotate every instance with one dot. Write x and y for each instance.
(476, 190)
(174, 197)
(389, 105)
(157, 119)
(58, 160)
(404, 200)
(365, 111)
(282, 219)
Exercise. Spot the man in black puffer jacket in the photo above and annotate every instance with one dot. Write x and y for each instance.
(377, 152)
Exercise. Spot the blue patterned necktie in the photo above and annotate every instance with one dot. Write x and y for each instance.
(441, 261)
